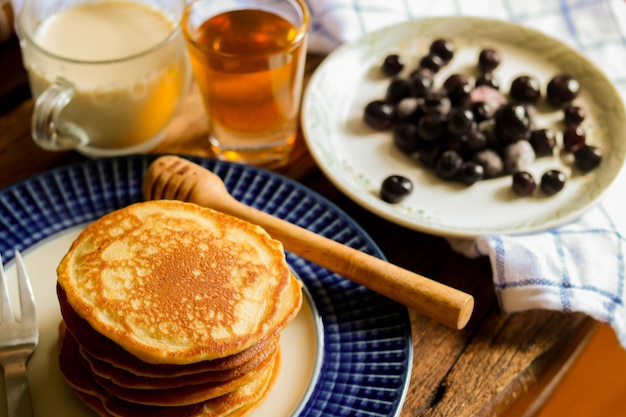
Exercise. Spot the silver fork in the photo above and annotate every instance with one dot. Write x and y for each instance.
(18, 340)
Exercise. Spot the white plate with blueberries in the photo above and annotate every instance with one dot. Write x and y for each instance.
(526, 134)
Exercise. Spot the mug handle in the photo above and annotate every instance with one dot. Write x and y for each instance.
(47, 130)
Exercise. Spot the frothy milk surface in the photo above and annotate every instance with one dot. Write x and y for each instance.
(103, 31)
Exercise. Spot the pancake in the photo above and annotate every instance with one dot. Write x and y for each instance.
(93, 402)
(176, 283)
(126, 379)
(186, 395)
(237, 403)
(102, 349)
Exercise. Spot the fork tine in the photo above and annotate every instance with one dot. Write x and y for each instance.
(6, 314)
(27, 298)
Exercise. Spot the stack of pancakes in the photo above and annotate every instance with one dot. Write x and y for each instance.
(173, 309)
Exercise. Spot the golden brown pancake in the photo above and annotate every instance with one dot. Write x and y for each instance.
(185, 395)
(103, 349)
(234, 404)
(171, 309)
(239, 403)
(126, 379)
(176, 283)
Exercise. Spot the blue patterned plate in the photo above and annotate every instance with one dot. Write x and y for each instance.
(365, 349)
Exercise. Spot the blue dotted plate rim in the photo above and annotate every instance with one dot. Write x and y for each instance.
(367, 342)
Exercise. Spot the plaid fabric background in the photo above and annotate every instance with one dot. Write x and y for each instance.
(577, 267)
(595, 27)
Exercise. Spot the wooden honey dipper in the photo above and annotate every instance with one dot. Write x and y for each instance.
(174, 178)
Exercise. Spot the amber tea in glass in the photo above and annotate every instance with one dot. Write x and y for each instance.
(248, 61)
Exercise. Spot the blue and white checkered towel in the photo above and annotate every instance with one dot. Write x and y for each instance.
(576, 267)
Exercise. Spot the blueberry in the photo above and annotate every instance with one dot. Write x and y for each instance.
(459, 120)
(398, 89)
(543, 141)
(587, 158)
(406, 138)
(562, 90)
(430, 154)
(513, 122)
(468, 143)
(421, 83)
(432, 62)
(443, 48)
(552, 181)
(523, 183)
(430, 127)
(525, 89)
(379, 114)
(395, 188)
(488, 59)
(458, 88)
(470, 172)
(476, 140)
(574, 115)
(448, 164)
(392, 65)
(482, 111)
(574, 137)
(436, 102)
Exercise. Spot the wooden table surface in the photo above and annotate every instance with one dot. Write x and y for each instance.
(499, 365)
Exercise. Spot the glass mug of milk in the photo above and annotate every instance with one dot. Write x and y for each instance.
(107, 75)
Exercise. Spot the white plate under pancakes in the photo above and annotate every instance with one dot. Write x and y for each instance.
(357, 159)
(346, 339)
(300, 340)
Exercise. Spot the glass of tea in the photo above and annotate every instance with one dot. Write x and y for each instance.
(248, 60)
